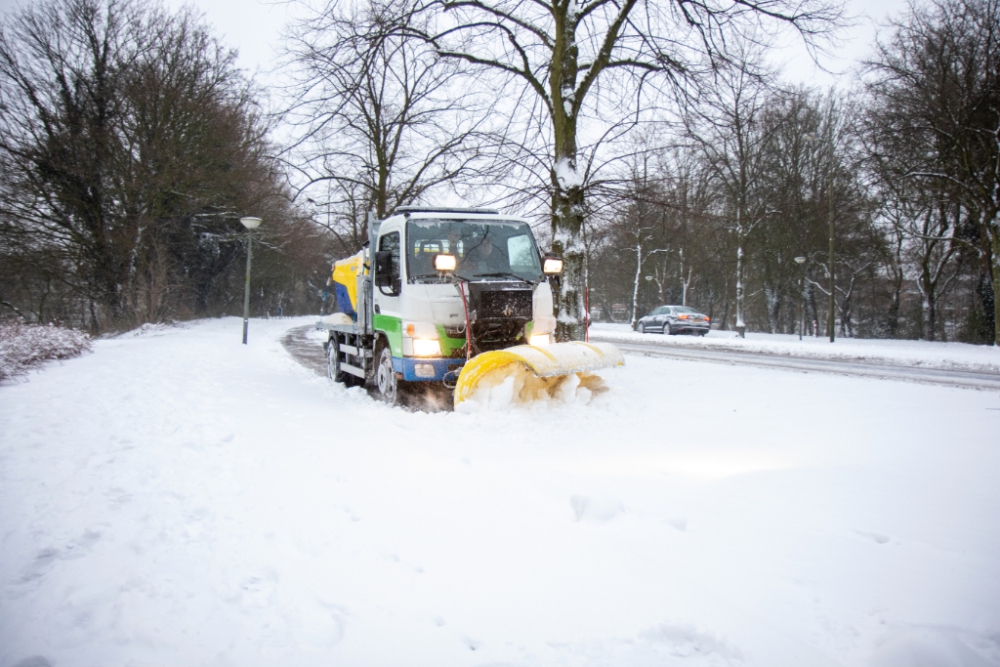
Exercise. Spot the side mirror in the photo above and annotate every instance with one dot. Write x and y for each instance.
(385, 275)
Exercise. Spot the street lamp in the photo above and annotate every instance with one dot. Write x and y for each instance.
(802, 295)
(251, 224)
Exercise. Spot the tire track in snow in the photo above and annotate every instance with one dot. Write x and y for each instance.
(308, 352)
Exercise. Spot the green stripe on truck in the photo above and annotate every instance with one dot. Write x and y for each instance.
(392, 327)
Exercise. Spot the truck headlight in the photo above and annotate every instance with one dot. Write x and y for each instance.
(540, 340)
(425, 347)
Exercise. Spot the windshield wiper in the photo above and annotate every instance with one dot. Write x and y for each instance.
(502, 274)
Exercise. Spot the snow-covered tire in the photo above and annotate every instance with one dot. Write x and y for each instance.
(332, 360)
(333, 370)
(386, 385)
(641, 328)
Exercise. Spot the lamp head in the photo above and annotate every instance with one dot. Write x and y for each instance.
(800, 260)
(251, 223)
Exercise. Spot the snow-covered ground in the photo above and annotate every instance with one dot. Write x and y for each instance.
(175, 498)
(899, 352)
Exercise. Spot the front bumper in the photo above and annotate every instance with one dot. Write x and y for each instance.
(416, 369)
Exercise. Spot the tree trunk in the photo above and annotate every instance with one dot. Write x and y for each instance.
(928, 302)
(635, 287)
(814, 310)
(567, 183)
(995, 267)
(773, 296)
(741, 326)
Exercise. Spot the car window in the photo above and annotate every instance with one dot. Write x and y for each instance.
(684, 309)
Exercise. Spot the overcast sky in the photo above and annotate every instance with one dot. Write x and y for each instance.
(254, 27)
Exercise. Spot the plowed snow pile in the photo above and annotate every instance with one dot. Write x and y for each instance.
(513, 386)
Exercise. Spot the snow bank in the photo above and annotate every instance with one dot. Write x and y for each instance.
(925, 354)
(25, 345)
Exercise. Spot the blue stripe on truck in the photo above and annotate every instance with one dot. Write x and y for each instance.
(441, 368)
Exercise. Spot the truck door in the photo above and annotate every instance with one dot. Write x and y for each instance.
(387, 316)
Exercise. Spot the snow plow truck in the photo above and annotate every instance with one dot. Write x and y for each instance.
(453, 302)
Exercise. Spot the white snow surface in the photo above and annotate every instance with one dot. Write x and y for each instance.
(177, 498)
(925, 354)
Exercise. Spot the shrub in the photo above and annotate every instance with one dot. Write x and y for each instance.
(25, 345)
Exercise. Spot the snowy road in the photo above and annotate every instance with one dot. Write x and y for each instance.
(177, 498)
(969, 379)
(302, 343)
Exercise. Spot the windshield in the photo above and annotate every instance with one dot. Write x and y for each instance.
(501, 250)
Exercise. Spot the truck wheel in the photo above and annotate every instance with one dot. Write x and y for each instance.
(333, 360)
(333, 370)
(385, 377)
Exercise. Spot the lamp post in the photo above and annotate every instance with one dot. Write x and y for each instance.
(801, 261)
(251, 224)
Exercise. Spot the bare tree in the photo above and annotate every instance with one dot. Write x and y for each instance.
(935, 91)
(580, 59)
(130, 144)
(381, 118)
(728, 128)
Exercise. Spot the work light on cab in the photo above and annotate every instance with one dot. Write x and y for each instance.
(444, 263)
(552, 265)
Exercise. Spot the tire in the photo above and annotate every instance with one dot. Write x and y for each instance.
(333, 360)
(333, 370)
(667, 330)
(385, 384)
(641, 328)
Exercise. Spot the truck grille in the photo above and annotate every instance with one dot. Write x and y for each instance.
(504, 304)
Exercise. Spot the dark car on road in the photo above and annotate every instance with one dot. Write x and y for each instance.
(674, 320)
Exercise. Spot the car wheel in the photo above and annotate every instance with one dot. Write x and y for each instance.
(386, 386)
(641, 328)
(667, 329)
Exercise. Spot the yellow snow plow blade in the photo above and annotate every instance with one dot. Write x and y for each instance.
(537, 371)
